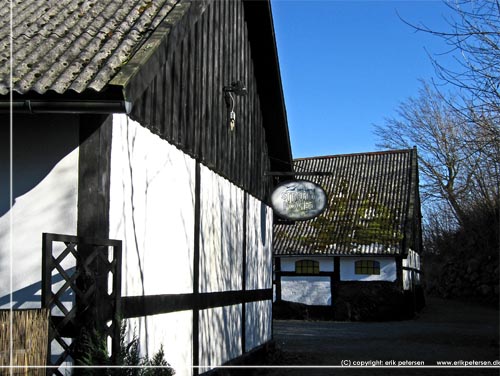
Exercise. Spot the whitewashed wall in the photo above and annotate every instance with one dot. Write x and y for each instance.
(288, 263)
(409, 277)
(387, 269)
(259, 243)
(258, 315)
(152, 199)
(220, 335)
(311, 290)
(173, 331)
(258, 328)
(315, 290)
(221, 243)
(306, 289)
(152, 212)
(46, 163)
(221, 268)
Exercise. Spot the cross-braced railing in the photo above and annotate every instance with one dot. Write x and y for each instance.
(87, 296)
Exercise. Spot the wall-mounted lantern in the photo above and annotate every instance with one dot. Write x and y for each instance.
(236, 88)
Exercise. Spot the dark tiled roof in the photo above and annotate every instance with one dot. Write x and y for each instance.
(66, 46)
(371, 197)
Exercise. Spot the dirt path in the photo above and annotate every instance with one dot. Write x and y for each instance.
(444, 331)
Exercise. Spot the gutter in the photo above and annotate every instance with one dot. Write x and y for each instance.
(28, 106)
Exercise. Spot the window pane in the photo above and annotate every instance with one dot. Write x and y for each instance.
(307, 267)
(369, 267)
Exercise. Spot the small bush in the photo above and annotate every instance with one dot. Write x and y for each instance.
(92, 351)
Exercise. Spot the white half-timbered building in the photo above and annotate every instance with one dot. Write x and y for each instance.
(143, 129)
(361, 255)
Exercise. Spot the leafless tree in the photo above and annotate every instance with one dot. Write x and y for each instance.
(426, 121)
(473, 36)
(458, 136)
(458, 159)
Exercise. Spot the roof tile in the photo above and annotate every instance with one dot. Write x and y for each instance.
(368, 196)
(61, 45)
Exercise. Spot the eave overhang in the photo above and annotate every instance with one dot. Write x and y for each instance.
(126, 86)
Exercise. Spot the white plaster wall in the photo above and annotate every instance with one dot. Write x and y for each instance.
(417, 265)
(387, 269)
(173, 331)
(50, 206)
(151, 210)
(307, 290)
(311, 290)
(259, 240)
(221, 243)
(220, 335)
(409, 277)
(406, 279)
(325, 263)
(258, 324)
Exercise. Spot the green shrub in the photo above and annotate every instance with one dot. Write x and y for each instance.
(92, 350)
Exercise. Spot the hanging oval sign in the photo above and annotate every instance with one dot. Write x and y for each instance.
(298, 200)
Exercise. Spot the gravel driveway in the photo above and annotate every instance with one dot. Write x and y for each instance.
(444, 331)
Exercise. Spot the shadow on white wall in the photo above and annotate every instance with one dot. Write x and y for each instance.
(152, 211)
(45, 188)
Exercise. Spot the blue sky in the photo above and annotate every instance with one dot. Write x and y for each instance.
(346, 65)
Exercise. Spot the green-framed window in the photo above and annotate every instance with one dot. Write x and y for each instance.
(307, 267)
(367, 267)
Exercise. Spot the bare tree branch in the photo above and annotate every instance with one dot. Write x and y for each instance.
(459, 156)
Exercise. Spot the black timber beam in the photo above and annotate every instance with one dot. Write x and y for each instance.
(138, 306)
(260, 25)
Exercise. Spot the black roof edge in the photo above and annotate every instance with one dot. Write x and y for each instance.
(414, 207)
(36, 106)
(260, 25)
(107, 101)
